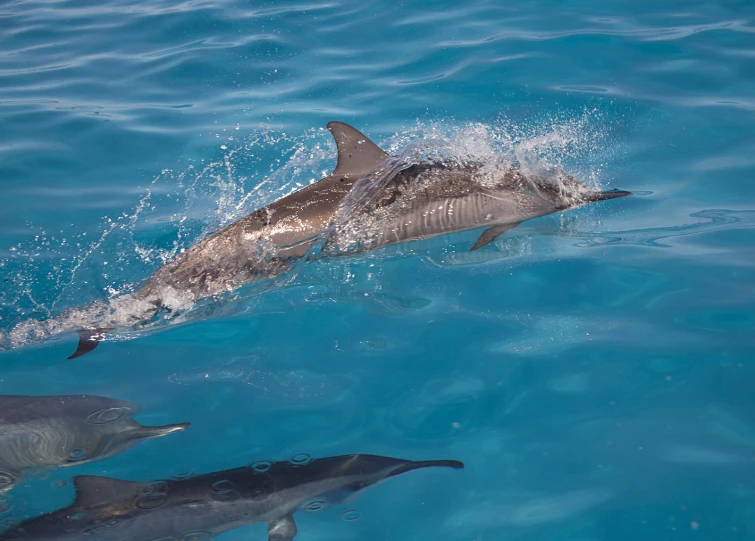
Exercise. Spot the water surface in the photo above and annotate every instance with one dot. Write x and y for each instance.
(592, 369)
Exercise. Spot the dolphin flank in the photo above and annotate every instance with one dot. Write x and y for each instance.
(205, 506)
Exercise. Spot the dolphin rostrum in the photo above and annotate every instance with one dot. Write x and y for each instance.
(205, 506)
(370, 200)
(52, 431)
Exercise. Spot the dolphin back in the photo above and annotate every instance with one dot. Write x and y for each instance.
(18, 409)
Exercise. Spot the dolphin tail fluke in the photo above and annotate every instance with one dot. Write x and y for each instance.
(419, 464)
(88, 340)
(603, 196)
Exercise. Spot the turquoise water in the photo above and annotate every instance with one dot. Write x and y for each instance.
(593, 369)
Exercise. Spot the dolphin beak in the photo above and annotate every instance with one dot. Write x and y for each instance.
(160, 431)
(603, 196)
(407, 467)
(132, 437)
(419, 464)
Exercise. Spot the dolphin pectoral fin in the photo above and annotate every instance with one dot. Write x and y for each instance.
(356, 153)
(283, 529)
(88, 340)
(490, 234)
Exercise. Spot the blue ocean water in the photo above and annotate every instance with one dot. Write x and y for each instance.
(592, 369)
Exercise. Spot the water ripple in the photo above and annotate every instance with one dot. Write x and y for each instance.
(642, 34)
(714, 220)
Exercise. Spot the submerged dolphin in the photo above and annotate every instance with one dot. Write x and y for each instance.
(208, 505)
(51, 431)
(408, 202)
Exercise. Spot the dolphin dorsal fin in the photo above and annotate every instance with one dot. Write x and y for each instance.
(356, 153)
(92, 490)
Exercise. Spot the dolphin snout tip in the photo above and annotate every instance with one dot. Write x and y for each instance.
(604, 196)
(169, 429)
(611, 194)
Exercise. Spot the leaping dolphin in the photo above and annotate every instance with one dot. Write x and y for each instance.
(52, 431)
(396, 202)
(205, 506)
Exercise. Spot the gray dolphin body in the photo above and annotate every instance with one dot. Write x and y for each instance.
(260, 245)
(237, 254)
(409, 202)
(208, 505)
(53, 431)
(430, 199)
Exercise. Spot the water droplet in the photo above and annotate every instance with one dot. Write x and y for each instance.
(302, 459)
(351, 515)
(261, 466)
(107, 416)
(77, 454)
(316, 505)
(222, 487)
